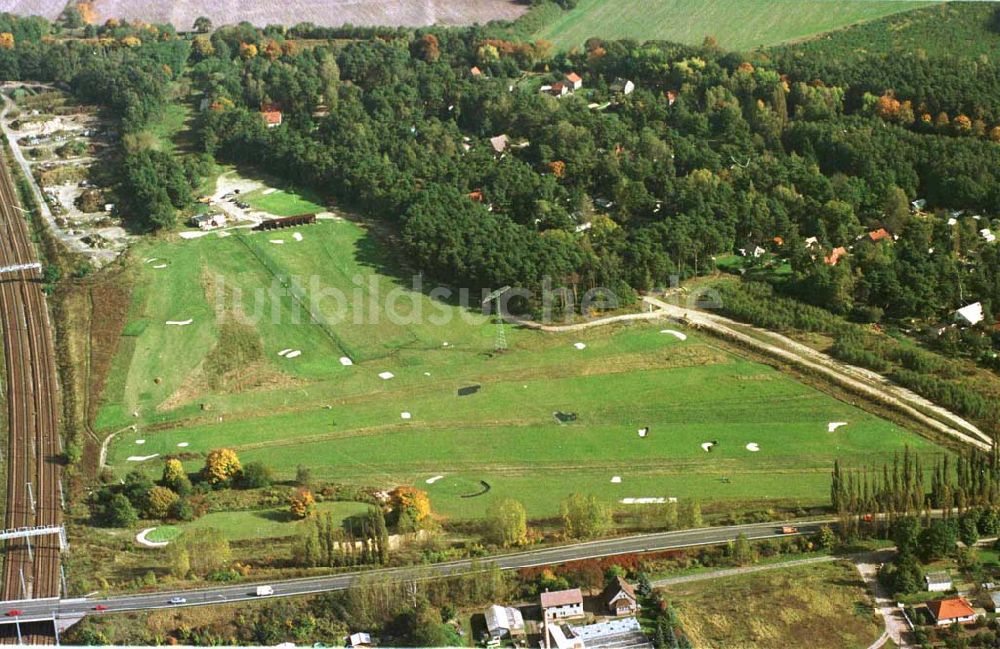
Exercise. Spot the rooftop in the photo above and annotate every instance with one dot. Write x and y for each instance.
(562, 598)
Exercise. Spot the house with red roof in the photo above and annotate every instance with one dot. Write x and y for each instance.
(574, 80)
(878, 235)
(835, 256)
(949, 611)
(271, 114)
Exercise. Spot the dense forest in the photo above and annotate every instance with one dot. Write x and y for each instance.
(457, 140)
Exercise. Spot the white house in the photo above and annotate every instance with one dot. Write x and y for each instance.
(918, 204)
(499, 143)
(504, 622)
(562, 604)
(619, 597)
(360, 640)
(623, 86)
(938, 582)
(970, 315)
(562, 636)
(988, 235)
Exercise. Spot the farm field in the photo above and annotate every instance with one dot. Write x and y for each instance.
(821, 605)
(221, 381)
(735, 24)
(334, 13)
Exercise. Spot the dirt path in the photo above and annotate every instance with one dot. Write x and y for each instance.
(855, 379)
(896, 628)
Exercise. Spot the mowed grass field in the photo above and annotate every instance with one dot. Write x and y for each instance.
(735, 24)
(347, 424)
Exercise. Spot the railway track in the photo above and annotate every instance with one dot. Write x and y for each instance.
(34, 494)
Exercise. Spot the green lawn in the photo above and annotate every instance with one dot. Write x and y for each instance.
(346, 423)
(267, 523)
(284, 202)
(735, 24)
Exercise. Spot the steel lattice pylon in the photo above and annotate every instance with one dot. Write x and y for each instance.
(500, 341)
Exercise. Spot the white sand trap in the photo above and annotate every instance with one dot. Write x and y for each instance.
(385, 376)
(180, 323)
(151, 260)
(277, 241)
(182, 444)
(345, 361)
(159, 266)
(140, 441)
(269, 191)
(707, 446)
(753, 447)
(676, 334)
(297, 236)
(642, 501)
(834, 425)
(141, 458)
(295, 354)
(405, 415)
(427, 373)
(642, 431)
(434, 479)
(616, 479)
(141, 539)
(223, 234)
(579, 345)
(444, 344)
(193, 235)
(284, 351)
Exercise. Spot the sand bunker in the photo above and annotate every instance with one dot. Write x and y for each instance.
(141, 458)
(434, 479)
(180, 323)
(140, 441)
(297, 236)
(193, 235)
(385, 376)
(277, 241)
(753, 447)
(707, 446)
(616, 479)
(159, 266)
(151, 260)
(269, 191)
(644, 431)
(676, 334)
(834, 425)
(642, 501)
(405, 415)
(141, 539)
(182, 444)
(294, 354)
(284, 351)
(345, 361)
(579, 345)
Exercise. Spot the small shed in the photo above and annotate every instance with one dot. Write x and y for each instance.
(970, 315)
(360, 640)
(622, 86)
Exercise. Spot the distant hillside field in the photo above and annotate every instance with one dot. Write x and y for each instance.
(333, 13)
(736, 24)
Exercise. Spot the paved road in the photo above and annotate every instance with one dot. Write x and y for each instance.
(47, 609)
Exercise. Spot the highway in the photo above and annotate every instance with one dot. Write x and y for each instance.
(73, 608)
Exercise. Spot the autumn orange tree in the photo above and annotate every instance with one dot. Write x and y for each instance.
(159, 500)
(221, 465)
(410, 507)
(6, 41)
(302, 504)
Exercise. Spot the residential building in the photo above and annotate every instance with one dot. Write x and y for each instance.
(938, 582)
(475, 71)
(878, 235)
(949, 611)
(271, 114)
(360, 641)
(562, 604)
(970, 315)
(574, 81)
(918, 204)
(835, 256)
(504, 622)
(619, 596)
(622, 86)
(499, 143)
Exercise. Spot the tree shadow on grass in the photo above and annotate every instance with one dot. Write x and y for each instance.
(276, 515)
